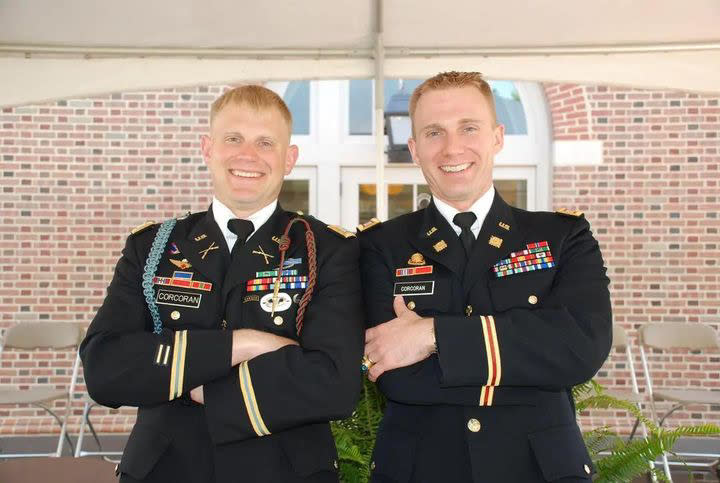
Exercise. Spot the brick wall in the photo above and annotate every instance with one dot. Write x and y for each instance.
(653, 204)
(77, 174)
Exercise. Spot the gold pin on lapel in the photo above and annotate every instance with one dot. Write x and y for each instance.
(201, 237)
(495, 241)
(181, 264)
(204, 253)
(504, 226)
(264, 255)
(276, 239)
(416, 259)
(368, 224)
(431, 231)
(440, 246)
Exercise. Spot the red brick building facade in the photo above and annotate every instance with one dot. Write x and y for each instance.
(77, 174)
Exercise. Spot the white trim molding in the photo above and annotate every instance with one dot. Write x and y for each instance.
(577, 153)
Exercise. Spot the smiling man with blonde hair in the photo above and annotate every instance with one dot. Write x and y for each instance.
(482, 316)
(235, 331)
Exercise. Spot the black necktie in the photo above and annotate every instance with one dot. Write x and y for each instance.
(242, 228)
(465, 220)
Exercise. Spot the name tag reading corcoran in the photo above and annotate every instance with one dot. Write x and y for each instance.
(426, 287)
(179, 299)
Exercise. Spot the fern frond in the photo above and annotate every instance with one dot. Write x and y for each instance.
(606, 401)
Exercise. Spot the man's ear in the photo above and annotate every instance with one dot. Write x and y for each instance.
(412, 148)
(499, 137)
(206, 147)
(291, 158)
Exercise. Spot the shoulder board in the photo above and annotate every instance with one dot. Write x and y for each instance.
(566, 212)
(299, 213)
(373, 222)
(142, 228)
(341, 231)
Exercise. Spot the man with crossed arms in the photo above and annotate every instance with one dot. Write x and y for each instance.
(195, 333)
(483, 316)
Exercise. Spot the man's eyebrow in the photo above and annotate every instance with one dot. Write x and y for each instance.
(471, 120)
(432, 126)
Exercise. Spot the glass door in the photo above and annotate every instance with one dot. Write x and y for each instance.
(407, 191)
(299, 190)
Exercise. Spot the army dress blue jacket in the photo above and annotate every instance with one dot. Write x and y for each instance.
(517, 325)
(265, 420)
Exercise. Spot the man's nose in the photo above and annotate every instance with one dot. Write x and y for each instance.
(453, 145)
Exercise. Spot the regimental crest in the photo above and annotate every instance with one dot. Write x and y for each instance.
(416, 259)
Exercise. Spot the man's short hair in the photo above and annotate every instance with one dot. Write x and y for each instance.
(450, 80)
(255, 96)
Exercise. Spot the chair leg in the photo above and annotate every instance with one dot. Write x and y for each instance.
(63, 430)
(92, 428)
(666, 467)
(81, 434)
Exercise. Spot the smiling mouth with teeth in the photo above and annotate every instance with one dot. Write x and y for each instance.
(456, 168)
(245, 174)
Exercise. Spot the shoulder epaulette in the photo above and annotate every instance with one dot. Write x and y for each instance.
(566, 212)
(183, 216)
(373, 222)
(341, 231)
(142, 228)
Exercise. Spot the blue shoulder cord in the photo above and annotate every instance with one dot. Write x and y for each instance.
(151, 264)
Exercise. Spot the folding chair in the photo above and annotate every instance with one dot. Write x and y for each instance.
(621, 343)
(678, 335)
(27, 336)
(89, 405)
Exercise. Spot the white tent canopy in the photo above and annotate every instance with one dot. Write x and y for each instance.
(51, 50)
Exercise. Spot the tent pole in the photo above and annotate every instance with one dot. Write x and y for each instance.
(380, 197)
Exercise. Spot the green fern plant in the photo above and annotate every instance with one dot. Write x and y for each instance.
(628, 459)
(355, 436)
(615, 458)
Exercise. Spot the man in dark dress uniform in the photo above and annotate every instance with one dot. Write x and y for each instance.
(483, 315)
(200, 326)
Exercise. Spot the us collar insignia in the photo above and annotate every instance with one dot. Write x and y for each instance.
(416, 259)
(201, 237)
(430, 231)
(181, 264)
(504, 226)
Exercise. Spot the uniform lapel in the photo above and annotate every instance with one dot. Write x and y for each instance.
(436, 240)
(204, 247)
(499, 228)
(251, 260)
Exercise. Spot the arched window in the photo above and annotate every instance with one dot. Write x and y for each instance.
(335, 175)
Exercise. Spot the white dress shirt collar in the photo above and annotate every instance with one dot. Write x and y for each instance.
(223, 214)
(481, 208)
